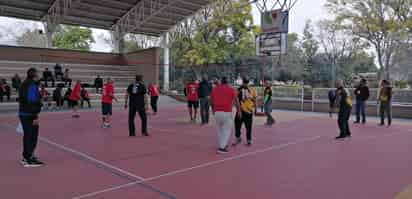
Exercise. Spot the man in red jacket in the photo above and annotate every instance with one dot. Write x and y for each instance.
(191, 93)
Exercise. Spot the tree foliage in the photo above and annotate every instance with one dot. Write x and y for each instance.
(384, 24)
(73, 38)
(220, 33)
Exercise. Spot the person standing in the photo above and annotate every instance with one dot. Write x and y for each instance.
(136, 95)
(107, 101)
(98, 83)
(385, 102)
(29, 109)
(345, 106)
(267, 99)
(154, 97)
(246, 97)
(222, 99)
(16, 82)
(362, 94)
(204, 92)
(74, 99)
(191, 93)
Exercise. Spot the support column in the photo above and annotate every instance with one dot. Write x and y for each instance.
(49, 29)
(118, 41)
(166, 67)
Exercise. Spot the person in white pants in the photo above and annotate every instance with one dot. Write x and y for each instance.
(222, 99)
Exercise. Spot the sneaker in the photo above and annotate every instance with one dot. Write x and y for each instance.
(145, 134)
(222, 151)
(249, 143)
(37, 161)
(30, 163)
(340, 137)
(238, 141)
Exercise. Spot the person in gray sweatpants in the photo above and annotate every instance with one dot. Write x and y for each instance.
(222, 99)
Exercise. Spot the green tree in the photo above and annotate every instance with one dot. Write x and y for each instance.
(310, 47)
(73, 38)
(221, 33)
(383, 24)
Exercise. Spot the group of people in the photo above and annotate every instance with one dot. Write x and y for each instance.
(342, 98)
(222, 98)
(58, 75)
(30, 105)
(219, 95)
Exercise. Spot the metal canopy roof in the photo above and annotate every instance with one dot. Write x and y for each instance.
(149, 17)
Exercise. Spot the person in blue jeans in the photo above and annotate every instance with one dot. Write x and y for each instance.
(29, 109)
(362, 95)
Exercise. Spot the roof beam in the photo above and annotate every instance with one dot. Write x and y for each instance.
(21, 10)
(138, 14)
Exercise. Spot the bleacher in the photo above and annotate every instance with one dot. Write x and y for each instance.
(122, 76)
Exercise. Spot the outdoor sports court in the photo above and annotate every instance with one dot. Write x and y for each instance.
(296, 158)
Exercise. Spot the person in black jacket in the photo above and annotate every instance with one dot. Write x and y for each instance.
(29, 109)
(362, 94)
(204, 90)
(98, 83)
(344, 101)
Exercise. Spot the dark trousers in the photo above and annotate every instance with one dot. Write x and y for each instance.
(343, 121)
(246, 118)
(204, 109)
(97, 88)
(268, 112)
(143, 118)
(2, 94)
(87, 100)
(59, 102)
(67, 80)
(30, 136)
(360, 110)
(45, 80)
(385, 109)
(153, 103)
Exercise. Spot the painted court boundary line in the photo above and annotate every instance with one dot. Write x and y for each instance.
(276, 147)
(91, 159)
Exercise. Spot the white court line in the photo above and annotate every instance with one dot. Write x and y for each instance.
(85, 156)
(276, 147)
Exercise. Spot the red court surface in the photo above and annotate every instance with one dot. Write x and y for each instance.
(296, 158)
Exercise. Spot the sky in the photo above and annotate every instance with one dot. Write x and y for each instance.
(302, 11)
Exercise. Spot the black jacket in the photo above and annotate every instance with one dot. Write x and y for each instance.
(29, 99)
(362, 93)
(204, 89)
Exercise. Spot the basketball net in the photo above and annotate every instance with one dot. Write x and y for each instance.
(267, 5)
